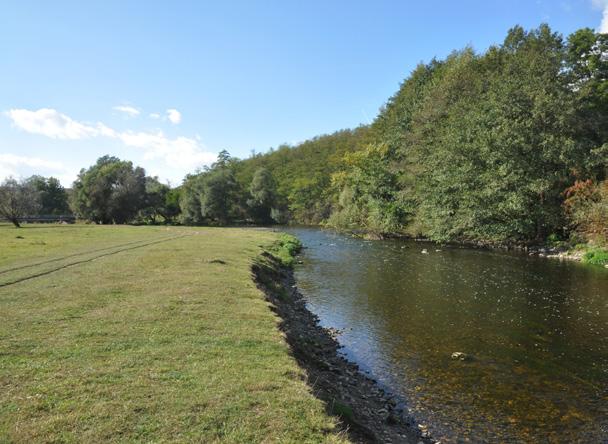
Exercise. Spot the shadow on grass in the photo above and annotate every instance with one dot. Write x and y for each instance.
(365, 412)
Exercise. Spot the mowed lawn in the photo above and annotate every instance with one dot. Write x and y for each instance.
(144, 334)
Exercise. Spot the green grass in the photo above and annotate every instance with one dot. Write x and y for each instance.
(145, 334)
(285, 249)
(596, 257)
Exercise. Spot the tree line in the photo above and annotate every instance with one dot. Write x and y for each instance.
(505, 146)
(114, 191)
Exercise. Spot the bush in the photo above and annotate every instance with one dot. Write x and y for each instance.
(596, 257)
(586, 205)
(286, 248)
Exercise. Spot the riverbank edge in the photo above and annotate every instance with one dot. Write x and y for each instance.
(366, 412)
(551, 251)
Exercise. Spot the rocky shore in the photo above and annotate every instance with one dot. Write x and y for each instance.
(366, 412)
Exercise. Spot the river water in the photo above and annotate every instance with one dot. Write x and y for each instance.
(536, 330)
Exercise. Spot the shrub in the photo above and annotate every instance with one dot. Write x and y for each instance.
(286, 248)
(596, 257)
(586, 205)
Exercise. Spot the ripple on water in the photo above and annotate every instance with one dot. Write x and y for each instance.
(537, 330)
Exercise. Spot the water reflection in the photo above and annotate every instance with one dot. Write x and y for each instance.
(537, 330)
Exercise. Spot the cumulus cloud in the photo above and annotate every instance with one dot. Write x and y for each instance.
(51, 123)
(18, 166)
(155, 116)
(180, 153)
(603, 5)
(174, 116)
(128, 110)
(33, 162)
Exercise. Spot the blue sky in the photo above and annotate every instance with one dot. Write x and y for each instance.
(169, 84)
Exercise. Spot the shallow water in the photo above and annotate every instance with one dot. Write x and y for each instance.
(536, 329)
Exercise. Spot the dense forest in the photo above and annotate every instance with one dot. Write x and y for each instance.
(509, 146)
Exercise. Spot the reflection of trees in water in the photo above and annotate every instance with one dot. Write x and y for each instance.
(534, 326)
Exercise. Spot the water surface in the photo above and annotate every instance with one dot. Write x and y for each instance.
(536, 328)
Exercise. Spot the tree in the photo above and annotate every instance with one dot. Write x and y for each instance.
(587, 75)
(53, 196)
(111, 191)
(492, 144)
(302, 174)
(262, 191)
(369, 192)
(213, 195)
(218, 197)
(190, 199)
(160, 202)
(18, 199)
(586, 206)
(171, 208)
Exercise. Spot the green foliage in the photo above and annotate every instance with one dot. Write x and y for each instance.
(111, 191)
(263, 196)
(489, 147)
(218, 196)
(481, 147)
(18, 199)
(212, 196)
(189, 200)
(596, 257)
(474, 147)
(302, 174)
(161, 203)
(286, 248)
(342, 410)
(53, 196)
(370, 196)
(171, 207)
(492, 143)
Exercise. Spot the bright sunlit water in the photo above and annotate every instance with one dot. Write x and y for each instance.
(536, 328)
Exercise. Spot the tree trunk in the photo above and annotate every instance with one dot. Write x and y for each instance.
(15, 222)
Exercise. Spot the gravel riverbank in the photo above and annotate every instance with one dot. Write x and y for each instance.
(367, 413)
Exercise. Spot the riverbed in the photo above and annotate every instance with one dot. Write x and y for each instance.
(533, 331)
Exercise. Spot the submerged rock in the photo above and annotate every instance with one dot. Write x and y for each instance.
(425, 251)
(460, 356)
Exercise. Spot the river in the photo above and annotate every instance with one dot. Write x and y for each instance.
(536, 331)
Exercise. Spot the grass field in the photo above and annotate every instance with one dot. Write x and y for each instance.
(144, 334)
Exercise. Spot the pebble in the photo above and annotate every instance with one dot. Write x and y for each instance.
(460, 356)
(336, 377)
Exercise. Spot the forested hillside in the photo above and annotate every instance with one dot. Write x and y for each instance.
(505, 146)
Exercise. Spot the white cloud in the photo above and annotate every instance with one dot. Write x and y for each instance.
(155, 116)
(182, 154)
(51, 123)
(33, 162)
(23, 166)
(603, 5)
(128, 110)
(174, 116)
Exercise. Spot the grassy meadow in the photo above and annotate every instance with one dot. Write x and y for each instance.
(145, 334)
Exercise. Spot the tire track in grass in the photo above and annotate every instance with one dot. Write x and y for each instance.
(59, 259)
(83, 261)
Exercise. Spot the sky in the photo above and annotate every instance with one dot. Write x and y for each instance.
(168, 84)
